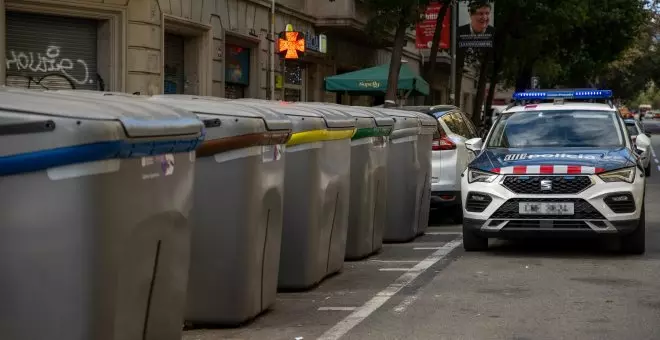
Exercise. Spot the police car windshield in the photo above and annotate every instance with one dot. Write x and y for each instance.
(557, 128)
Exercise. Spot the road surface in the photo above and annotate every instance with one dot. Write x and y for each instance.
(431, 289)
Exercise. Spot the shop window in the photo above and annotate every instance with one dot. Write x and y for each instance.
(237, 71)
(294, 82)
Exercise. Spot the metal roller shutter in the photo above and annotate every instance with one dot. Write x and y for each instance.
(174, 72)
(52, 52)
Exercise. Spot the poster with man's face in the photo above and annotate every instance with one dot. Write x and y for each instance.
(475, 24)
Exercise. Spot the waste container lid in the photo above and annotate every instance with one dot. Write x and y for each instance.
(139, 117)
(381, 119)
(426, 120)
(223, 107)
(333, 119)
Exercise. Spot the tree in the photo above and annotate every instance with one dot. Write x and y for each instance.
(636, 68)
(435, 47)
(396, 16)
(566, 42)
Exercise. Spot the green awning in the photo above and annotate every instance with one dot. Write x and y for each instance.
(373, 81)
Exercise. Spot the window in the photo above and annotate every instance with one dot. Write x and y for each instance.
(294, 81)
(451, 123)
(237, 71)
(471, 127)
(462, 127)
(557, 128)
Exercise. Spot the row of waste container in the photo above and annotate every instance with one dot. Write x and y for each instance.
(123, 215)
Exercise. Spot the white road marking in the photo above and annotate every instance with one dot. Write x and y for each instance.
(406, 303)
(394, 261)
(350, 309)
(361, 313)
(427, 248)
(658, 167)
(394, 269)
(443, 233)
(656, 160)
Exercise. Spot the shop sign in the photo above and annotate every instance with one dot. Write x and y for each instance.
(371, 84)
(315, 42)
(291, 44)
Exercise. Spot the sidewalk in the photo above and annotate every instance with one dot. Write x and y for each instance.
(360, 288)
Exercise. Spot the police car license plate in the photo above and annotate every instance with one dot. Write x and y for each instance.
(546, 208)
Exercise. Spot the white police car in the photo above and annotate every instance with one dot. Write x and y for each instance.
(563, 168)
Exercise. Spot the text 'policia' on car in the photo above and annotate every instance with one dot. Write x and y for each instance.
(567, 167)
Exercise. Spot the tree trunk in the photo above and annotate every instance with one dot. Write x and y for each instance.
(524, 77)
(494, 78)
(460, 62)
(498, 58)
(395, 62)
(435, 46)
(481, 87)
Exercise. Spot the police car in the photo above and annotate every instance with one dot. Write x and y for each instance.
(556, 163)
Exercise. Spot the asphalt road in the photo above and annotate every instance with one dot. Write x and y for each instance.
(431, 289)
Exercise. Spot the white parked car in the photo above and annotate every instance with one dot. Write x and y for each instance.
(450, 158)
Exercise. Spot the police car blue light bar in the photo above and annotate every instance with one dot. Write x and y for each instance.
(562, 94)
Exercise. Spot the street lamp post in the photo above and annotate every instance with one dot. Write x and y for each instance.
(454, 49)
(272, 50)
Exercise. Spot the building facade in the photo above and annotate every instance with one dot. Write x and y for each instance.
(206, 47)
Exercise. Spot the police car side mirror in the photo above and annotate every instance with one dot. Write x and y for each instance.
(474, 144)
(642, 142)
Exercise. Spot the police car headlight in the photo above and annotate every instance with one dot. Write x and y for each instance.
(480, 176)
(622, 175)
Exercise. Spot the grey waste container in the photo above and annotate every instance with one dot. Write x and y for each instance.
(429, 129)
(403, 169)
(316, 186)
(237, 216)
(367, 210)
(94, 229)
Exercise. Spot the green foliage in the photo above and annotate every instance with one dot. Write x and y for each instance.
(385, 15)
(566, 42)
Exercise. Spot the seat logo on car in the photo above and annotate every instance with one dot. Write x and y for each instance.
(546, 185)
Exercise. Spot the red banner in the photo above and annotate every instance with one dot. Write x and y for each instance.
(426, 28)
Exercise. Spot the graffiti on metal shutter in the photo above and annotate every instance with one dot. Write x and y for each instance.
(50, 62)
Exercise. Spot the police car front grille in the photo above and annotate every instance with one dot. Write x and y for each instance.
(559, 184)
(582, 210)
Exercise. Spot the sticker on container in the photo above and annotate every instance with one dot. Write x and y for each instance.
(380, 142)
(272, 153)
(167, 164)
(147, 161)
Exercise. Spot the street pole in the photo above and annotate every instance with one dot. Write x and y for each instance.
(272, 50)
(454, 48)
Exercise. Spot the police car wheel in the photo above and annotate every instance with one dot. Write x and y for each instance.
(472, 242)
(635, 242)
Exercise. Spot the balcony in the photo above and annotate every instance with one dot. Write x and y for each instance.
(342, 17)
